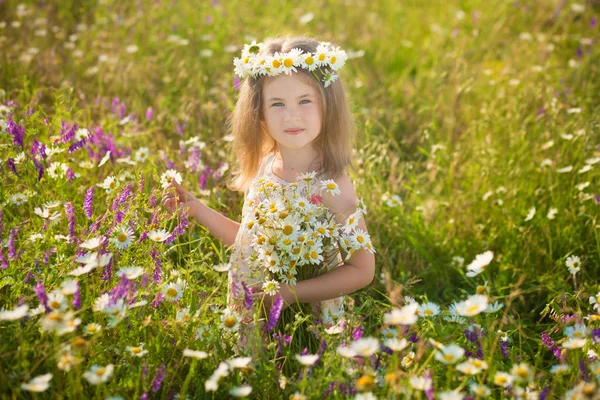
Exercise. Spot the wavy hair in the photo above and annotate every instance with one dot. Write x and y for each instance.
(250, 141)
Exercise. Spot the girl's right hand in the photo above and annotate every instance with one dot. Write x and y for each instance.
(180, 200)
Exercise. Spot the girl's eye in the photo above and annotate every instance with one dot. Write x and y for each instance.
(275, 104)
(305, 100)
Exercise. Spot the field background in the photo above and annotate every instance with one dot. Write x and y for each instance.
(471, 111)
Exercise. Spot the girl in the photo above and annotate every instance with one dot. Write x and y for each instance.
(291, 118)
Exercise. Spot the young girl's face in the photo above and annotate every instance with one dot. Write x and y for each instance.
(292, 111)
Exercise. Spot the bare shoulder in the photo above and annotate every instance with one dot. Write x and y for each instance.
(346, 202)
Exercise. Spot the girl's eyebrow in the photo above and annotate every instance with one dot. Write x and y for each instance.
(278, 98)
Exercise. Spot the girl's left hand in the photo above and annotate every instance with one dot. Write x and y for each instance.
(258, 295)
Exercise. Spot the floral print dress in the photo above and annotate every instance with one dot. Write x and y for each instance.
(241, 274)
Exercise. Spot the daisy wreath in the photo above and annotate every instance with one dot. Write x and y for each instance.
(327, 59)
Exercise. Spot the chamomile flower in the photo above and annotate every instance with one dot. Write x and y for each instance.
(494, 307)
(361, 237)
(91, 329)
(271, 287)
(141, 154)
(172, 292)
(365, 347)
(322, 54)
(450, 354)
(130, 272)
(595, 301)
(578, 331)
(352, 221)
(389, 333)
(87, 164)
(38, 384)
(165, 178)
(137, 351)
(560, 368)
(122, 237)
(104, 159)
(66, 362)
(57, 301)
(473, 305)
(573, 264)
(393, 201)
(69, 287)
(223, 267)
(109, 184)
(46, 214)
(467, 368)
(18, 198)
(229, 320)
(330, 187)
(428, 309)
(158, 235)
(503, 379)
(522, 372)
(195, 354)
(98, 374)
(575, 343)
(477, 266)
(241, 391)
(337, 58)
(239, 362)
(407, 315)
(288, 60)
(395, 344)
(308, 359)
(91, 243)
(14, 314)
(480, 390)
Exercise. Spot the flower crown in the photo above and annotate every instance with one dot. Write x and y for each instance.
(327, 59)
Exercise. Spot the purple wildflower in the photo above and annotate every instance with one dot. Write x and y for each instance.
(157, 273)
(544, 393)
(40, 292)
(149, 114)
(236, 83)
(248, 300)
(594, 22)
(40, 168)
(12, 166)
(429, 392)
(504, 348)
(275, 312)
(67, 132)
(597, 199)
(158, 379)
(77, 299)
(122, 110)
(18, 133)
(11, 243)
(115, 103)
(47, 255)
(1, 225)
(87, 203)
(3, 260)
(77, 145)
(596, 335)
(158, 299)
(357, 333)
(70, 211)
(584, 373)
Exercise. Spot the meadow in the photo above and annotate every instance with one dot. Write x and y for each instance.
(476, 157)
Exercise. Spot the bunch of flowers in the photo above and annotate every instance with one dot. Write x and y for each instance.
(294, 234)
(327, 59)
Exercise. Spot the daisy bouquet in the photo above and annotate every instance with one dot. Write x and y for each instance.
(296, 237)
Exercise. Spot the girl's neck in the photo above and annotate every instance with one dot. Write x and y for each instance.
(288, 168)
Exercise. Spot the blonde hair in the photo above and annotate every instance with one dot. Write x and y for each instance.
(250, 141)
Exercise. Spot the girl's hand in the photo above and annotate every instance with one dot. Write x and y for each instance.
(259, 295)
(179, 200)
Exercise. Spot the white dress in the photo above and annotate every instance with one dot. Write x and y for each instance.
(328, 312)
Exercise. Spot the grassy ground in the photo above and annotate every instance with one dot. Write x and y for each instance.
(481, 116)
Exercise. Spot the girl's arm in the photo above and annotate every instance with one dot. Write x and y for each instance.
(217, 224)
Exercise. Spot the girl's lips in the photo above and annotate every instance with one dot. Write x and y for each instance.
(294, 131)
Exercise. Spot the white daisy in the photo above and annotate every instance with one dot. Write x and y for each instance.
(167, 176)
(172, 291)
(551, 213)
(308, 359)
(92, 328)
(46, 214)
(308, 62)
(98, 374)
(395, 344)
(405, 316)
(109, 184)
(595, 301)
(241, 391)
(394, 201)
(18, 198)
(522, 372)
(104, 159)
(137, 351)
(503, 379)
(330, 187)
(224, 267)
(322, 55)
(122, 237)
(477, 265)
(141, 154)
(38, 384)
(365, 347)
(195, 354)
(229, 320)
(271, 287)
(530, 214)
(14, 314)
(239, 362)
(158, 235)
(86, 164)
(450, 354)
(573, 264)
(92, 243)
(130, 272)
(289, 60)
(428, 309)
(337, 58)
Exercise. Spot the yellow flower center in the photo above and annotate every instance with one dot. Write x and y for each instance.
(276, 64)
(449, 357)
(333, 59)
(322, 57)
(250, 224)
(122, 237)
(91, 328)
(229, 322)
(288, 62)
(100, 371)
(288, 230)
(360, 239)
(480, 289)
(113, 185)
(321, 230)
(331, 186)
(365, 382)
(472, 309)
(55, 304)
(523, 373)
(309, 60)
(389, 335)
(136, 350)
(428, 312)
(501, 379)
(172, 292)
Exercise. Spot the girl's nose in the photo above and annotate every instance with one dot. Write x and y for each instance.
(292, 113)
